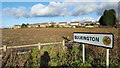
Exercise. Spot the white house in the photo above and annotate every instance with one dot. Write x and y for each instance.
(53, 23)
(88, 22)
(75, 24)
(62, 24)
(33, 25)
(16, 26)
(44, 24)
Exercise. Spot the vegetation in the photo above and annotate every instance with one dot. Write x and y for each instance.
(24, 25)
(108, 18)
(49, 56)
(87, 25)
(70, 56)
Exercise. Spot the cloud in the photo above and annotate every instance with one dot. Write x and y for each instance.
(85, 19)
(16, 12)
(89, 7)
(62, 9)
(110, 5)
(54, 9)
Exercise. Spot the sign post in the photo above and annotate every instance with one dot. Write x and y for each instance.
(83, 53)
(107, 57)
(105, 40)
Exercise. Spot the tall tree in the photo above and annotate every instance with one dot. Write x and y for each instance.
(108, 18)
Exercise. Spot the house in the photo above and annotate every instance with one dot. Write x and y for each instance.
(67, 25)
(92, 24)
(30, 26)
(97, 23)
(75, 24)
(36, 25)
(62, 24)
(87, 23)
(44, 24)
(83, 25)
(16, 26)
(52, 24)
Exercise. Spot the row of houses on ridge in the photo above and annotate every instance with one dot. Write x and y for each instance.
(60, 24)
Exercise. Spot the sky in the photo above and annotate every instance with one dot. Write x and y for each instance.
(16, 13)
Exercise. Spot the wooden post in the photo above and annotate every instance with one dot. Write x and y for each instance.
(68, 37)
(63, 42)
(4, 48)
(39, 46)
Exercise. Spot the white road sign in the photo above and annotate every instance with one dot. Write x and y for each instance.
(98, 39)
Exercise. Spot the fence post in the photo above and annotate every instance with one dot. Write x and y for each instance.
(63, 42)
(39, 46)
(4, 48)
(68, 37)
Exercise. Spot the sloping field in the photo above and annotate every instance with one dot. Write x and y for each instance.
(43, 35)
(29, 36)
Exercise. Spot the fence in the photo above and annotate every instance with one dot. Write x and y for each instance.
(31, 45)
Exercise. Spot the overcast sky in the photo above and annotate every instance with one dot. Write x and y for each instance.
(14, 13)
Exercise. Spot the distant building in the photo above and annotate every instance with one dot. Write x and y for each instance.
(92, 24)
(83, 25)
(75, 24)
(30, 26)
(88, 22)
(33, 25)
(68, 25)
(16, 26)
(97, 23)
(53, 24)
(63, 24)
(44, 24)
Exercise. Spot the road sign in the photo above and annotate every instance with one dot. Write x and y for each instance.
(98, 39)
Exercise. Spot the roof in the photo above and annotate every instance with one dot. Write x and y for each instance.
(52, 23)
(30, 24)
(74, 22)
(88, 22)
(62, 22)
(37, 24)
(43, 23)
(17, 25)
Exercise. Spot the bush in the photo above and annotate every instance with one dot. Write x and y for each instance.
(70, 56)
